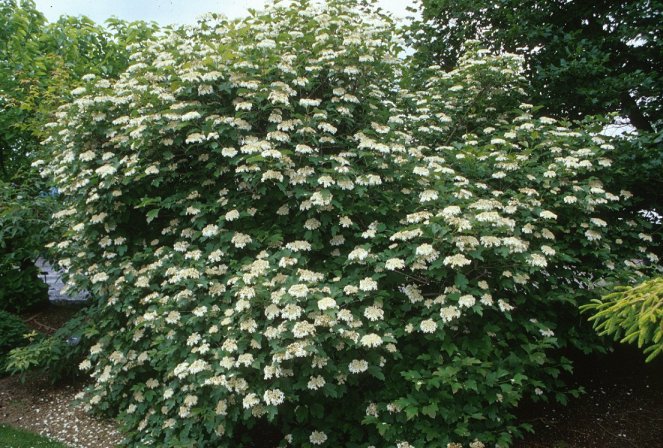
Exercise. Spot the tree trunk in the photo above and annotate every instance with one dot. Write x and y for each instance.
(634, 114)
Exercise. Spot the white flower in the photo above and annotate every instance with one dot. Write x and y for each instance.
(421, 171)
(299, 246)
(299, 290)
(321, 199)
(451, 210)
(152, 169)
(200, 311)
(326, 303)
(428, 326)
(303, 149)
(345, 222)
(428, 195)
(193, 115)
(449, 313)
(303, 329)
(273, 397)
(266, 43)
(358, 366)
(371, 340)
(205, 89)
(413, 293)
(427, 252)
(598, 222)
(193, 339)
(210, 230)
(317, 438)
(190, 400)
(307, 102)
(466, 301)
(394, 263)
(232, 215)
(311, 224)
(374, 313)
(87, 156)
(537, 260)
(85, 365)
(547, 214)
(316, 382)
(240, 240)
(250, 401)
(546, 332)
(105, 170)
(358, 254)
(457, 260)
(99, 277)
(228, 152)
(326, 127)
(195, 138)
(504, 306)
(368, 284)
(243, 105)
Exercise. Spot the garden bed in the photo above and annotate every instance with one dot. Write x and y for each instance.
(623, 407)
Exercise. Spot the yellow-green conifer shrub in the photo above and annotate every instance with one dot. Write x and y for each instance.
(632, 315)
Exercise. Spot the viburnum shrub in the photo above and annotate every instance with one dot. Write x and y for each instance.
(282, 224)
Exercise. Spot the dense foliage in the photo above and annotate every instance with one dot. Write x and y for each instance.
(13, 333)
(632, 315)
(57, 355)
(25, 227)
(276, 230)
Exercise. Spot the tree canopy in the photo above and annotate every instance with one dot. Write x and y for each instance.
(582, 57)
(39, 63)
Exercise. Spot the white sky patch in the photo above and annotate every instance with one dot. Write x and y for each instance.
(171, 11)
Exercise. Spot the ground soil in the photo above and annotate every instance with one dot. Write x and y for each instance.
(39, 406)
(622, 406)
(48, 318)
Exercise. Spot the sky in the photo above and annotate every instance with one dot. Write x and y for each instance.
(169, 11)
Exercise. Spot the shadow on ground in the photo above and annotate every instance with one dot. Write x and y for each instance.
(622, 406)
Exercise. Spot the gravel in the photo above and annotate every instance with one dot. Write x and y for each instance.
(52, 411)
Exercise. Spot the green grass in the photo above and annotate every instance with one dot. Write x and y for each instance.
(17, 438)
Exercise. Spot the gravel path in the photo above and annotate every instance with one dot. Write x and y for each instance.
(38, 407)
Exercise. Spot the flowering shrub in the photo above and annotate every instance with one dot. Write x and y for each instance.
(282, 225)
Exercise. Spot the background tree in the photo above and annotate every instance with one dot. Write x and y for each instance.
(40, 64)
(582, 58)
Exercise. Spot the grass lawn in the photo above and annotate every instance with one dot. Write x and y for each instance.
(16, 438)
